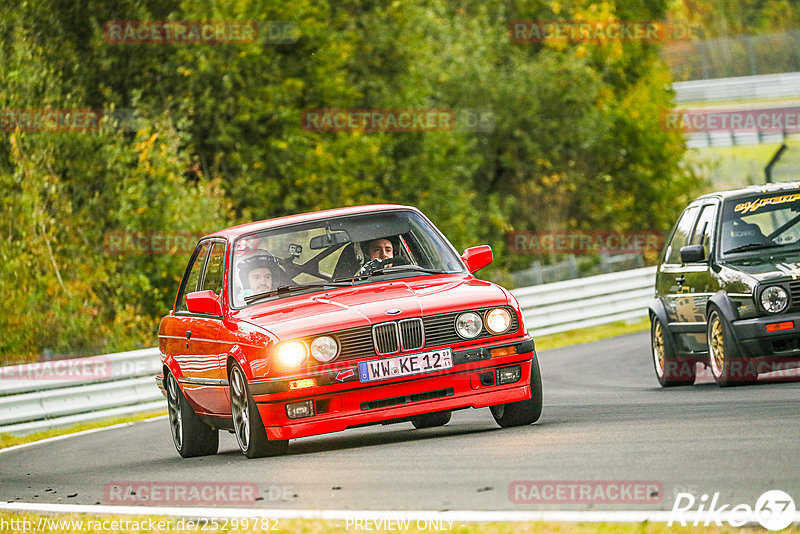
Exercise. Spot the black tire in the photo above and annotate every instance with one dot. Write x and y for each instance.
(247, 423)
(431, 420)
(190, 434)
(724, 359)
(670, 371)
(523, 412)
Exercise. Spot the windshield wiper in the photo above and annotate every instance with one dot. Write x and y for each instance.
(753, 246)
(299, 287)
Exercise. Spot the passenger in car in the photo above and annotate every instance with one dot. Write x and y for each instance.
(259, 274)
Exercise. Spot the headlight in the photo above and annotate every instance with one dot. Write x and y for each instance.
(774, 299)
(498, 320)
(468, 325)
(324, 349)
(290, 354)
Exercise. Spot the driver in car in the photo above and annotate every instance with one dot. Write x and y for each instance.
(380, 248)
(379, 253)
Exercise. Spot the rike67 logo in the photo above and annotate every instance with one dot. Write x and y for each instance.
(774, 510)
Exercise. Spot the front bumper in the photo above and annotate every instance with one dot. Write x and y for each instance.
(344, 403)
(770, 347)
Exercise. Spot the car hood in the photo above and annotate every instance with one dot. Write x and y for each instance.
(367, 304)
(769, 268)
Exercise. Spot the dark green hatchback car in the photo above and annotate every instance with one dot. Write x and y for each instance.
(728, 288)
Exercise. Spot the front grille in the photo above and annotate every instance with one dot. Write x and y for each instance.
(412, 333)
(386, 338)
(405, 399)
(794, 290)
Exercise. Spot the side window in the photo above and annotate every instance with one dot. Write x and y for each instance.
(681, 236)
(216, 265)
(704, 227)
(192, 281)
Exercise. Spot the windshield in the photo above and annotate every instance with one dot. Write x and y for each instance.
(337, 251)
(762, 221)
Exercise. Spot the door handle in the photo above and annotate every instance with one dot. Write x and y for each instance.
(188, 334)
(681, 279)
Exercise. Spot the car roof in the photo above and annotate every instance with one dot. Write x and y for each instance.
(242, 229)
(752, 189)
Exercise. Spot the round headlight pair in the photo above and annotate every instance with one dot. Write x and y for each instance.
(293, 354)
(774, 299)
(470, 324)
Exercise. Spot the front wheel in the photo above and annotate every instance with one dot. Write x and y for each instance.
(724, 360)
(670, 371)
(522, 412)
(431, 420)
(247, 423)
(191, 436)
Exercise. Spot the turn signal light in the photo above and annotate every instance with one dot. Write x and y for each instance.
(503, 351)
(774, 327)
(304, 383)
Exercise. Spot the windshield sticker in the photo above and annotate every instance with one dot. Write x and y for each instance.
(754, 205)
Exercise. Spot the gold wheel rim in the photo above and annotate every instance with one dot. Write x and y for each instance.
(658, 346)
(717, 345)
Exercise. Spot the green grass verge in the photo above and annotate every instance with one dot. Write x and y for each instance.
(7, 440)
(90, 523)
(594, 333)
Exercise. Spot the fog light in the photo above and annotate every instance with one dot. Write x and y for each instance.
(507, 375)
(298, 410)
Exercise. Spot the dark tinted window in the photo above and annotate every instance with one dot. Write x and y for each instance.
(681, 236)
(704, 227)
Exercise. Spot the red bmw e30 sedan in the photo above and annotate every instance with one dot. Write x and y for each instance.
(319, 322)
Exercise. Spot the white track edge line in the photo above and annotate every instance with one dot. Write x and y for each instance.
(80, 433)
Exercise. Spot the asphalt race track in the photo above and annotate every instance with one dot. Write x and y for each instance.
(605, 419)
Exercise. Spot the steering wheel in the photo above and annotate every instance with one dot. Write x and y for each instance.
(373, 265)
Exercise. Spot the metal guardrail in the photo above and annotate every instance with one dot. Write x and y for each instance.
(747, 89)
(584, 302)
(37, 397)
(765, 86)
(54, 394)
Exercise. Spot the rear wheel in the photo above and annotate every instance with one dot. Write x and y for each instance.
(191, 436)
(247, 423)
(727, 366)
(522, 412)
(430, 420)
(670, 371)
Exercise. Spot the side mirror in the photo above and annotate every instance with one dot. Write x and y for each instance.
(206, 302)
(476, 258)
(693, 253)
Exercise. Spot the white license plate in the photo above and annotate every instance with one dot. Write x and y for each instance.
(410, 364)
